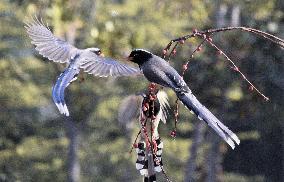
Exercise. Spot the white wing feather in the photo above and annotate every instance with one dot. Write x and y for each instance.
(49, 46)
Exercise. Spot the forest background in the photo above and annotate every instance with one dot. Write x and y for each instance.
(38, 144)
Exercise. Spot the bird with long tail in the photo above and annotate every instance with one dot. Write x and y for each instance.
(159, 71)
(90, 60)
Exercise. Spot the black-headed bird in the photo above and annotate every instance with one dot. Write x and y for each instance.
(159, 71)
(58, 50)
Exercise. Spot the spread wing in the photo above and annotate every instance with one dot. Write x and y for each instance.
(47, 44)
(129, 109)
(104, 67)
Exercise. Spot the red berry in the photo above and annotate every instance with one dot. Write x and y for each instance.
(209, 39)
(182, 41)
(251, 88)
(236, 69)
(174, 51)
(135, 145)
(176, 114)
(184, 67)
(164, 51)
(145, 108)
(152, 97)
(199, 48)
(173, 133)
(145, 133)
(194, 31)
(152, 85)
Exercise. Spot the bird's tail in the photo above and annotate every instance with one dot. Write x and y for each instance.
(147, 163)
(150, 178)
(190, 101)
(65, 78)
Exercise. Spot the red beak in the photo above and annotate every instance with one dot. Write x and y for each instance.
(102, 55)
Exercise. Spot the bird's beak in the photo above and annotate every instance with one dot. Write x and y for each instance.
(102, 54)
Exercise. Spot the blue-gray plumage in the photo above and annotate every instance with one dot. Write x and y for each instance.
(57, 50)
(159, 71)
(69, 75)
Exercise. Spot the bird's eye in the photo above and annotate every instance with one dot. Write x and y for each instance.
(97, 52)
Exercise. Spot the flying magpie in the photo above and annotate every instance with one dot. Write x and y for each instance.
(58, 50)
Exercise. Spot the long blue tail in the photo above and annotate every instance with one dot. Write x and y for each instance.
(190, 101)
(64, 79)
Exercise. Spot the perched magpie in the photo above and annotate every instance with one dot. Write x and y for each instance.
(58, 50)
(159, 71)
(132, 106)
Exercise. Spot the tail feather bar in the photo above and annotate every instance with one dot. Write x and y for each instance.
(142, 162)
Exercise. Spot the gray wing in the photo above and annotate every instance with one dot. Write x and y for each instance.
(164, 102)
(104, 67)
(47, 44)
(129, 109)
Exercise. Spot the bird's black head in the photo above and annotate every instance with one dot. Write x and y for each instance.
(139, 56)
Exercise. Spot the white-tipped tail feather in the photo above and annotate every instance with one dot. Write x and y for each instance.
(190, 101)
(65, 78)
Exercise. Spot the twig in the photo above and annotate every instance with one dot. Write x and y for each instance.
(197, 49)
(172, 52)
(135, 141)
(265, 35)
(235, 68)
(205, 35)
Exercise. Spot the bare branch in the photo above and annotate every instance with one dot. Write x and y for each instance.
(205, 35)
(265, 35)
